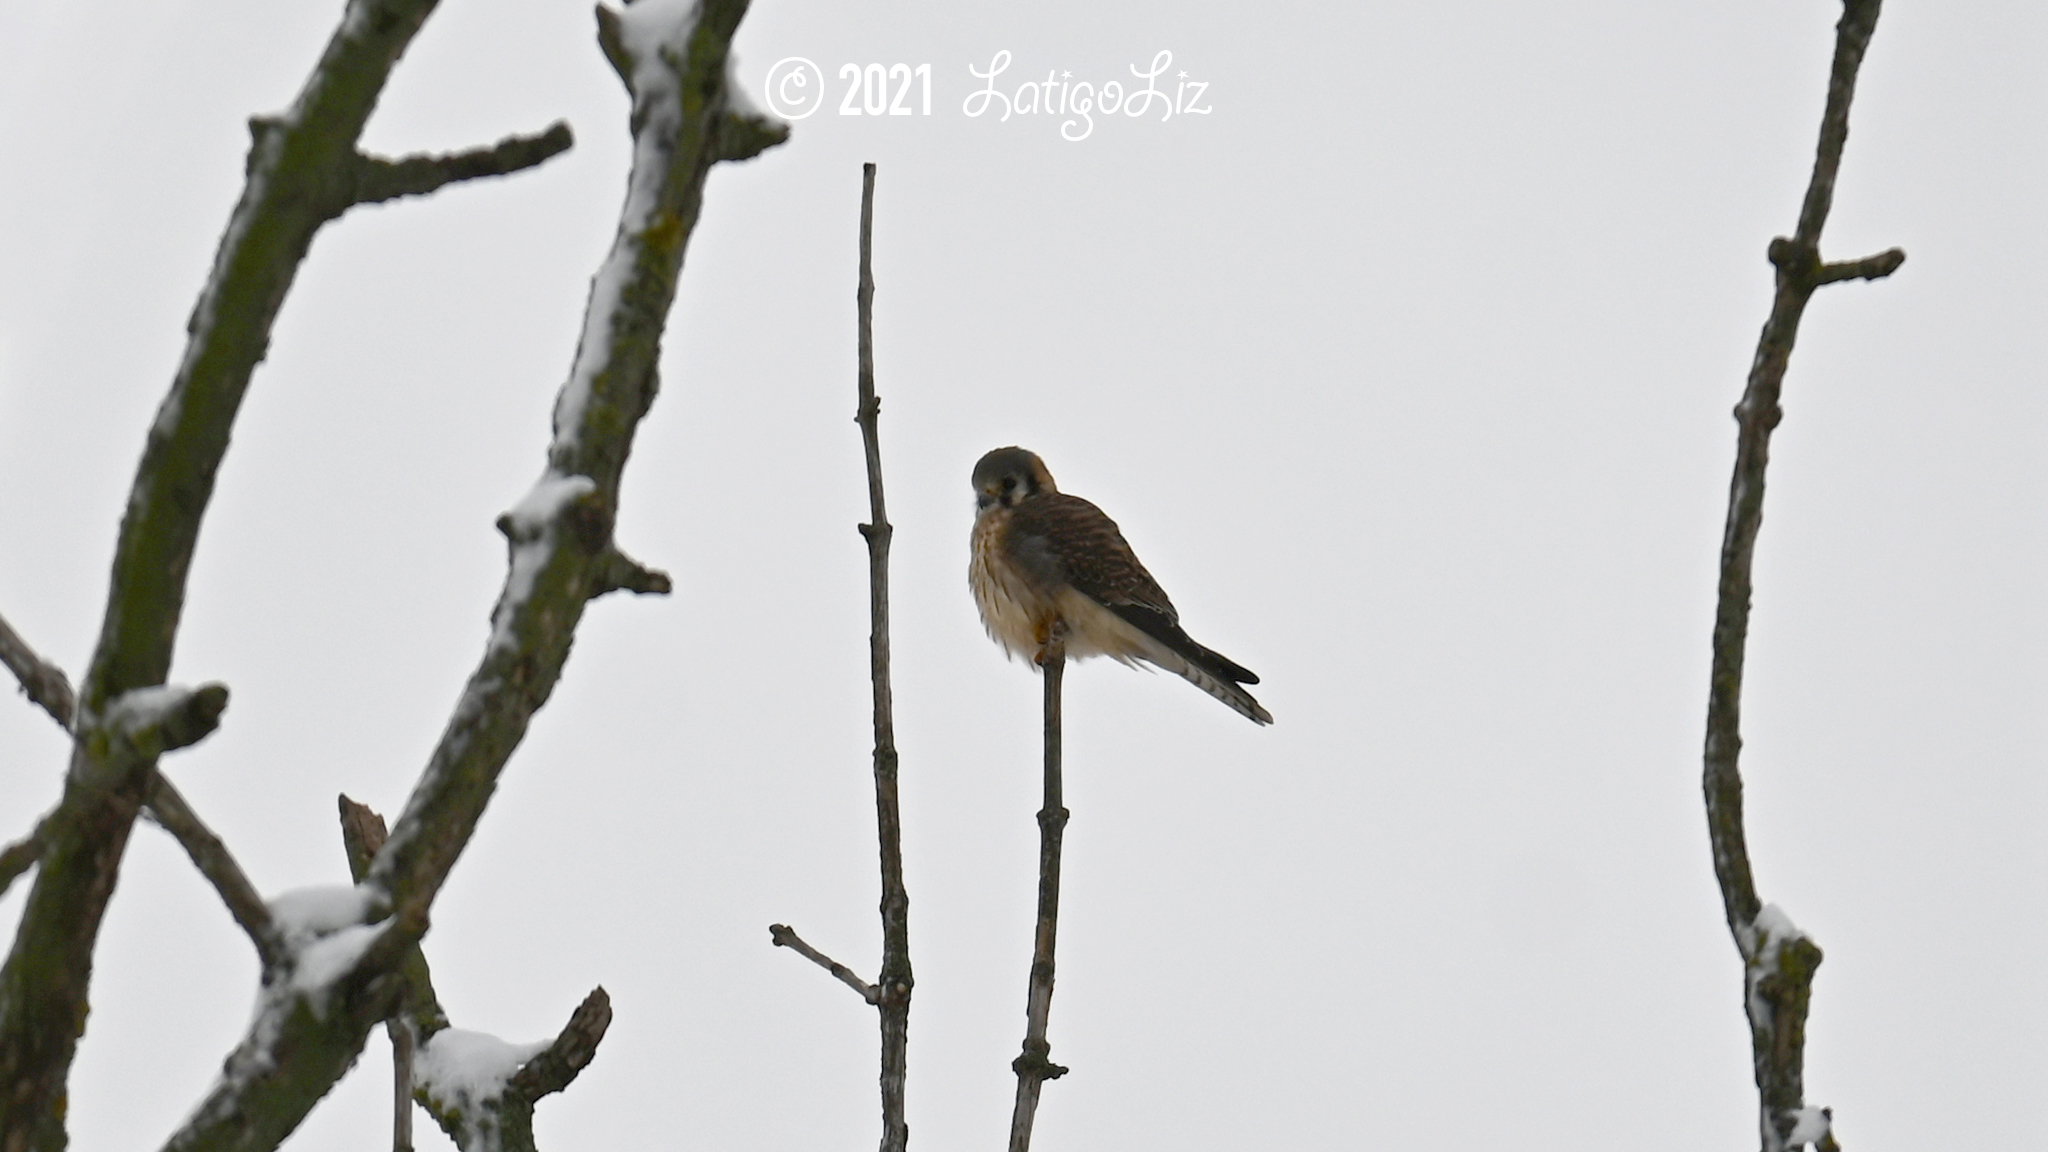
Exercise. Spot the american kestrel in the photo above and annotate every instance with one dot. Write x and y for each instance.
(1042, 557)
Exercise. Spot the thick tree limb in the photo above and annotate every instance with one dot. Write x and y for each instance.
(561, 532)
(380, 179)
(783, 936)
(1779, 960)
(1034, 1065)
(558, 537)
(43, 682)
(300, 175)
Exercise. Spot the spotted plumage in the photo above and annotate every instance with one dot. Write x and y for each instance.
(1041, 557)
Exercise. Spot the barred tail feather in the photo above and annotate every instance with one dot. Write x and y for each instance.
(1214, 676)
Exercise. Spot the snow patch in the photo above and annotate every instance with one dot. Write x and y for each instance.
(531, 526)
(330, 958)
(1776, 926)
(305, 913)
(736, 99)
(653, 33)
(1812, 1126)
(466, 1069)
(140, 708)
(647, 27)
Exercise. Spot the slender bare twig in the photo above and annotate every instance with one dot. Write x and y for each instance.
(402, 1045)
(891, 993)
(1779, 960)
(892, 989)
(44, 682)
(218, 865)
(783, 936)
(1034, 1065)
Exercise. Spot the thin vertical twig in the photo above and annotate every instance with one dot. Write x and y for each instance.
(401, 1084)
(1034, 1065)
(1778, 959)
(892, 987)
(890, 993)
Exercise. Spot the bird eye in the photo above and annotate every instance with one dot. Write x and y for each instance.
(1009, 483)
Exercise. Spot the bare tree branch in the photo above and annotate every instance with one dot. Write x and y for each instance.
(498, 1116)
(892, 990)
(560, 534)
(380, 179)
(1869, 268)
(784, 936)
(300, 175)
(47, 685)
(558, 538)
(890, 994)
(1778, 959)
(559, 1063)
(362, 837)
(617, 571)
(17, 857)
(1034, 1065)
(218, 865)
(501, 1119)
(44, 682)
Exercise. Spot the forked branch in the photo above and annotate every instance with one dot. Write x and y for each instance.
(560, 551)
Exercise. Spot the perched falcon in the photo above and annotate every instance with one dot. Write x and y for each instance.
(1043, 557)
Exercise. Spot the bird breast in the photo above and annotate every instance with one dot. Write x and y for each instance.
(1015, 612)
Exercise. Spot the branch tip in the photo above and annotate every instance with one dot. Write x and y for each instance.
(44, 683)
(784, 936)
(1869, 268)
(379, 179)
(616, 571)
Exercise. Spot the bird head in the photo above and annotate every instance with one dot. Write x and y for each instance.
(1008, 476)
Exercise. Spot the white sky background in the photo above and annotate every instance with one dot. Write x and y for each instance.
(1407, 370)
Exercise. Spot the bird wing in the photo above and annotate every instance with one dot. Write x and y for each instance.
(1061, 539)
(1064, 539)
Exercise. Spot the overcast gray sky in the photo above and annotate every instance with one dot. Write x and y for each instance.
(1406, 369)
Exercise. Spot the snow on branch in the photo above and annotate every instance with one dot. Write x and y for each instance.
(300, 174)
(479, 1089)
(482, 1091)
(1779, 960)
(561, 552)
(560, 555)
(155, 720)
